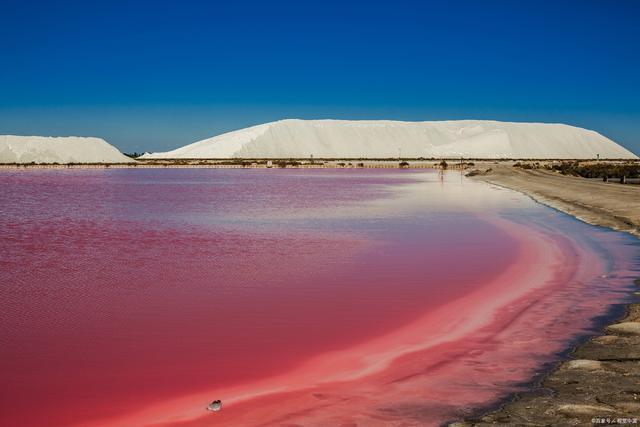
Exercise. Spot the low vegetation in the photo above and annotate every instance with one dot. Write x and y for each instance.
(598, 170)
(588, 169)
(285, 163)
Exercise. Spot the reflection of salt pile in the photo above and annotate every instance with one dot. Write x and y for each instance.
(216, 405)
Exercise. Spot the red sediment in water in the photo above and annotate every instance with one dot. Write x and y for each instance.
(137, 298)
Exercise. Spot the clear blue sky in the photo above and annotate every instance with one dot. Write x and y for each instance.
(156, 75)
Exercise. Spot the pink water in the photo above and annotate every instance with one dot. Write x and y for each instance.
(298, 297)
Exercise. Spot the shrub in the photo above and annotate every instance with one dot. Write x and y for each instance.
(598, 170)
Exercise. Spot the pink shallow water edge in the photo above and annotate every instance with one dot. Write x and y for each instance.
(297, 297)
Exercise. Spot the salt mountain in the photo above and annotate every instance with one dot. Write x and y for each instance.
(386, 139)
(44, 149)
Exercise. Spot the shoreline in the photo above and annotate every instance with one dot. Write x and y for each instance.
(598, 203)
(456, 164)
(216, 164)
(595, 381)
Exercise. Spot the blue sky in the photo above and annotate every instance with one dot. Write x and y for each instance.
(150, 76)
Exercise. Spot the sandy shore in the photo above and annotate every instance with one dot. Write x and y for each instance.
(600, 383)
(607, 204)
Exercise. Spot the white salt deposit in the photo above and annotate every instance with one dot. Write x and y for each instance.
(72, 149)
(385, 139)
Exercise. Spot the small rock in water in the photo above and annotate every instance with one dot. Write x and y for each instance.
(216, 405)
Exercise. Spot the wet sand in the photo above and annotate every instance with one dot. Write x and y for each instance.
(600, 383)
